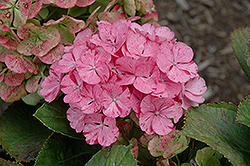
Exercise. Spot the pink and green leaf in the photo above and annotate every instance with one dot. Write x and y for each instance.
(54, 55)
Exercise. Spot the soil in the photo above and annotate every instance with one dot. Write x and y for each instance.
(205, 26)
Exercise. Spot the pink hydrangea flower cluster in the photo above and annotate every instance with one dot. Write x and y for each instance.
(124, 67)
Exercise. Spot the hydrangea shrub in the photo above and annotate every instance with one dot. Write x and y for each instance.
(123, 80)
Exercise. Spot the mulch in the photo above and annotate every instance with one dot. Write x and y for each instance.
(205, 25)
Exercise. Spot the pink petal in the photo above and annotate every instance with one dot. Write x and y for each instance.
(145, 85)
(195, 98)
(196, 86)
(76, 117)
(146, 121)
(182, 53)
(178, 75)
(67, 63)
(163, 33)
(162, 125)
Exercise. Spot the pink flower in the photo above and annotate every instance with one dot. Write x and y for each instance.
(153, 33)
(175, 59)
(141, 73)
(51, 84)
(100, 129)
(166, 88)
(67, 63)
(192, 92)
(116, 101)
(156, 113)
(111, 36)
(92, 66)
(90, 99)
(71, 85)
(139, 47)
(76, 117)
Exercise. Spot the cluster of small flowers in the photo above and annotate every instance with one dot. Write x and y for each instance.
(124, 67)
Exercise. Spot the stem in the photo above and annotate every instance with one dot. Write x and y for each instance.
(178, 161)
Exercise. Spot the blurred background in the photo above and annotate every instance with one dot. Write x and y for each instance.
(205, 25)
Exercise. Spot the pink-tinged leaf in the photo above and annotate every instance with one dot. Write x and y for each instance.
(66, 4)
(35, 8)
(153, 146)
(6, 4)
(24, 6)
(144, 6)
(54, 55)
(19, 19)
(24, 31)
(110, 16)
(145, 138)
(3, 39)
(15, 63)
(11, 44)
(2, 71)
(83, 3)
(150, 17)
(41, 48)
(54, 36)
(31, 66)
(25, 47)
(3, 52)
(73, 24)
(134, 147)
(13, 79)
(6, 17)
(17, 94)
(129, 7)
(5, 91)
(32, 84)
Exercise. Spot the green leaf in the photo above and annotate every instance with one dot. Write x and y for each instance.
(240, 39)
(54, 117)
(243, 115)
(215, 125)
(32, 99)
(205, 157)
(97, 3)
(115, 155)
(22, 135)
(8, 163)
(64, 151)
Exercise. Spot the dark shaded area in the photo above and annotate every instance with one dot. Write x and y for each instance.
(205, 25)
